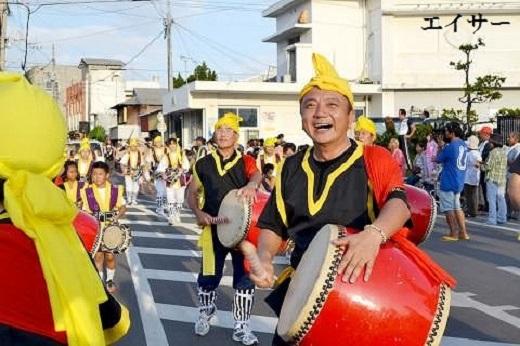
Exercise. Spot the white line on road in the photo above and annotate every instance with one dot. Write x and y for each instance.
(190, 253)
(224, 319)
(464, 300)
(159, 235)
(153, 329)
(179, 276)
(512, 270)
(451, 341)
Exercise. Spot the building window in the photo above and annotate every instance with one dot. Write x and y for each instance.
(250, 115)
(292, 64)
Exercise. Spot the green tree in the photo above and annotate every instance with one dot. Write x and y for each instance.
(202, 72)
(483, 89)
(178, 81)
(98, 133)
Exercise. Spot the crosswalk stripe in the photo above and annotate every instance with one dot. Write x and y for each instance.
(180, 313)
(512, 270)
(152, 326)
(180, 276)
(189, 253)
(159, 235)
(452, 341)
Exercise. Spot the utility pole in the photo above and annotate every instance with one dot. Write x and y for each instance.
(4, 11)
(168, 32)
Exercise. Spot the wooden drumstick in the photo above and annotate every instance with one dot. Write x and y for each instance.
(217, 220)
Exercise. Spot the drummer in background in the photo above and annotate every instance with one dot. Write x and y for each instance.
(269, 155)
(98, 196)
(325, 184)
(215, 175)
(157, 154)
(71, 184)
(366, 130)
(131, 164)
(85, 161)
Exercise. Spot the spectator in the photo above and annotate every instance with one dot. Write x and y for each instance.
(472, 177)
(406, 131)
(453, 160)
(397, 154)
(432, 149)
(484, 148)
(365, 130)
(512, 154)
(268, 177)
(496, 167)
(289, 149)
(420, 173)
(513, 186)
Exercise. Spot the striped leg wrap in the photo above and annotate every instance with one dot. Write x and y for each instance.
(207, 301)
(243, 304)
(171, 209)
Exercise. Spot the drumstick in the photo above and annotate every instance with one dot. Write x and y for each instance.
(218, 220)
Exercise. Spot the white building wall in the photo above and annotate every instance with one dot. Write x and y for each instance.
(106, 90)
(337, 32)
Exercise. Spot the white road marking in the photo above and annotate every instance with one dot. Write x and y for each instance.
(153, 329)
(224, 319)
(190, 253)
(464, 300)
(512, 270)
(180, 276)
(451, 341)
(136, 213)
(159, 235)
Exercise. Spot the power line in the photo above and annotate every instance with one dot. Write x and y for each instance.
(144, 48)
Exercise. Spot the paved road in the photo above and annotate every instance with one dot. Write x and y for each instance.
(157, 282)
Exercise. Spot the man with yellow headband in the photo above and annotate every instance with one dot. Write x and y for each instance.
(215, 175)
(365, 130)
(52, 295)
(326, 183)
(132, 165)
(85, 160)
(156, 155)
(269, 155)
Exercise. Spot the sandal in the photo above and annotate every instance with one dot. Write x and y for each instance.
(464, 237)
(448, 238)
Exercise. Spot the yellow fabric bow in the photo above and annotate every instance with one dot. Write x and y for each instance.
(42, 211)
(326, 78)
(230, 120)
(365, 124)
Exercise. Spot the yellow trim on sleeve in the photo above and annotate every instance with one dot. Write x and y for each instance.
(315, 206)
(112, 335)
(201, 198)
(84, 201)
(279, 197)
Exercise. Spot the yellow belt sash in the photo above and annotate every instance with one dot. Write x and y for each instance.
(208, 253)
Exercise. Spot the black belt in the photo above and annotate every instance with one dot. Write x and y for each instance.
(106, 216)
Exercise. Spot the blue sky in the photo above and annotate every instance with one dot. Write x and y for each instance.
(226, 34)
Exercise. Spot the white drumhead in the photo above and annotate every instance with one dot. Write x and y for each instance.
(113, 237)
(307, 282)
(238, 212)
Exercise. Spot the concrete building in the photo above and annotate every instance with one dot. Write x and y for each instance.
(55, 79)
(4, 12)
(396, 53)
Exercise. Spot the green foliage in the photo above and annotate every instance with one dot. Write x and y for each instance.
(458, 115)
(421, 133)
(484, 89)
(509, 112)
(201, 72)
(389, 133)
(98, 133)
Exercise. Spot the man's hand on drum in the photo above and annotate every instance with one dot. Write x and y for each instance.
(360, 252)
(263, 273)
(203, 219)
(248, 191)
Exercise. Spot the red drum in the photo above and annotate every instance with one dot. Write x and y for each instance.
(242, 217)
(87, 228)
(424, 213)
(400, 305)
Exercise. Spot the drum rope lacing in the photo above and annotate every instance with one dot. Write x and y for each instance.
(432, 220)
(436, 325)
(332, 274)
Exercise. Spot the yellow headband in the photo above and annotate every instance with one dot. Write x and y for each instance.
(157, 139)
(133, 142)
(84, 144)
(230, 120)
(365, 124)
(326, 78)
(270, 142)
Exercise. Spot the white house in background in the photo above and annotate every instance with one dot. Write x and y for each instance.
(380, 45)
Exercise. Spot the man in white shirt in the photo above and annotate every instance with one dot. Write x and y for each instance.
(405, 131)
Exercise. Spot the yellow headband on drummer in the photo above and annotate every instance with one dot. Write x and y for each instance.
(133, 142)
(270, 142)
(365, 124)
(230, 120)
(326, 78)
